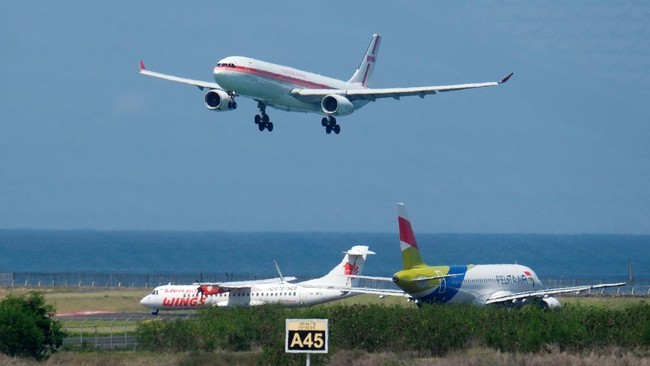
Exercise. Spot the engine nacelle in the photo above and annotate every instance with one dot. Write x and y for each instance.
(337, 105)
(219, 100)
(551, 302)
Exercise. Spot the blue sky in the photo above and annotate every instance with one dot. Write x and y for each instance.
(88, 143)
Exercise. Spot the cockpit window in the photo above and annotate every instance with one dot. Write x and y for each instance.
(226, 64)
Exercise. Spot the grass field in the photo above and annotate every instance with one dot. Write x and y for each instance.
(68, 300)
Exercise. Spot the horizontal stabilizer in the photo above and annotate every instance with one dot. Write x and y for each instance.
(361, 290)
(429, 278)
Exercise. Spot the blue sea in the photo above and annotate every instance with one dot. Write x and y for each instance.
(215, 255)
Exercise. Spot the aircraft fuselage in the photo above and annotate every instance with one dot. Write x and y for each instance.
(183, 297)
(472, 283)
(272, 84)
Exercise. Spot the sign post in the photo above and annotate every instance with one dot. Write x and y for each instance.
(306, 336)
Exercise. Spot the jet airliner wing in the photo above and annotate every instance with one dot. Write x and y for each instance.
(396, 93)
(198, 83)
(547, 292)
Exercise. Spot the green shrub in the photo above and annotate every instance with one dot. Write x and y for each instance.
(27, 327)
(431, 330)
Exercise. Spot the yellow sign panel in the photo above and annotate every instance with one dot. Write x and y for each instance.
(306, 336)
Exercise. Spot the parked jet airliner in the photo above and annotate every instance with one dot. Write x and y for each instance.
(290, 89)
(505, 284)
(259, 292)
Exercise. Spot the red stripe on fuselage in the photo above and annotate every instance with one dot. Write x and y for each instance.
(406, 234)
(274, 76)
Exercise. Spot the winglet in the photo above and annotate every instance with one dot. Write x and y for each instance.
(142, 66)
(506, 78)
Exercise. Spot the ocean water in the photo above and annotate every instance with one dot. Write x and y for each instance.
(306, 255)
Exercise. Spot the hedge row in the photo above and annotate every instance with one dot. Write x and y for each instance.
(431, 330)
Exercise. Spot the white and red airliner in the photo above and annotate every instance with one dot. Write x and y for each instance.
(333, 286)
(290, 89)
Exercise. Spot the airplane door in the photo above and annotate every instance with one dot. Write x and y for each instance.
(302, 296)
(443, 283)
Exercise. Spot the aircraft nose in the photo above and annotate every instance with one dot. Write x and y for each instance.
(396, 279)
(144, 301)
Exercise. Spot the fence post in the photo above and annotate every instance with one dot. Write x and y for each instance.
(112, 323)
(126, 322)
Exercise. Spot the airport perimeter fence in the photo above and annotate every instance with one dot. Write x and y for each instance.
(87, 280)
(113, 280)
(101, 333)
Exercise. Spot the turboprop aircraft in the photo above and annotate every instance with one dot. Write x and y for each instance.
(259, 292)
(506, 284)
(290, 89)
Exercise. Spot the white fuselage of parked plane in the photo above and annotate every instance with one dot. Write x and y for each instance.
(272, 84)
(182, 297)
(477, 283)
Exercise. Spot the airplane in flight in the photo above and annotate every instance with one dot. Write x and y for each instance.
(258, 292)
(290, 89)
(511, 285)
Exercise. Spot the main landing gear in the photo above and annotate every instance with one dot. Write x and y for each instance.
(330, 125)
(262, 120)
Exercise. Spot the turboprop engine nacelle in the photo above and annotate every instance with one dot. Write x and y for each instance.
(336, 105)
(219, 100)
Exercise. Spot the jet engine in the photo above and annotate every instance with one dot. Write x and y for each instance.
(219, 100)
(551, 302)
(337, 105)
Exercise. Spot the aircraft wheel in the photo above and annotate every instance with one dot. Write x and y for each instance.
(234, 105)
(324, 122)
(261, 126)
(269, 126)
(337, 129)
(265, 118)
(258, 119)
(328, 129)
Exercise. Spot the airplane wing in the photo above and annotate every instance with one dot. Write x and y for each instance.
(246, 284)
(361, 290)
(198, 83)
(396, 93)
(547, 292)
